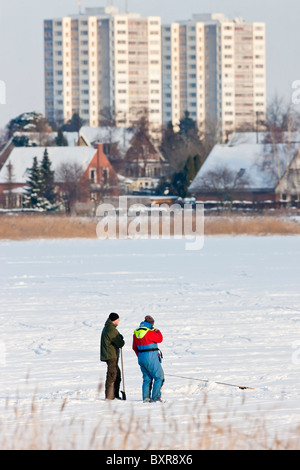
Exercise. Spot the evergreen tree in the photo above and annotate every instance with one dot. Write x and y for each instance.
(197, 163)
(40, 185)
(178, 183)
(60, 140)
(186, 124)
(189, 170)
(74, 124)
(34, 186)
(47, 180)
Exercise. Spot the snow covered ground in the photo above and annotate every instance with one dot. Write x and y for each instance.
(229, 312)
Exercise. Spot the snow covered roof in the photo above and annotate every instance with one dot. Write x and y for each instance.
(91, 135)
(256, 162)
(106, 134)
(21, 159)
(47, 138)
(239, 138)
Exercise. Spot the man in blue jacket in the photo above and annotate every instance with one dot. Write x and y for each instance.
(145, 339)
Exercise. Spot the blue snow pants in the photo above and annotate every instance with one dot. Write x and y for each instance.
(153, 374)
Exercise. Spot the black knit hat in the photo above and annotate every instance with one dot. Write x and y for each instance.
(149, 319)
(113, 316)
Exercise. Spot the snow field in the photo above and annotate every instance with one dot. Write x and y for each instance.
(228, 313)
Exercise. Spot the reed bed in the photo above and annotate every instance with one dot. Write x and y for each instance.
(30, 428)
(41, 226)
(251, 225)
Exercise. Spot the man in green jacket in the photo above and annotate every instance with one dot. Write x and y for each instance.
(111, 342)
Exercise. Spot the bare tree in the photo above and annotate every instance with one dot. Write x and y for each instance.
(282, 140)
(224, 183)
(75, 186)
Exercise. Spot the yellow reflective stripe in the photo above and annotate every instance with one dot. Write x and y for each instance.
(140, 332)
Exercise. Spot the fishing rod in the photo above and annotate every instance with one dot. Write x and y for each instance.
(241, 387)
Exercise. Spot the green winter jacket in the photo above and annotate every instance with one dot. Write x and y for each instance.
(111, 342)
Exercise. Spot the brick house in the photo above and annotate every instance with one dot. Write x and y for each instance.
(255, 172)
(96, 175)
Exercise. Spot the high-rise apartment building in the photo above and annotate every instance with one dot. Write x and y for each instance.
(107, 65)
(215, 69)
(103, 64)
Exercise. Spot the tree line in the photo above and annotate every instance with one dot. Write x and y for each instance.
(185, 148)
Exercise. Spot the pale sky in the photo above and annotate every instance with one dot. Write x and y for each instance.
(21, 40)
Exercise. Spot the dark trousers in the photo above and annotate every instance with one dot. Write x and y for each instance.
(113, 379)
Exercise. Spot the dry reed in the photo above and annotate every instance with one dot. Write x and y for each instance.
(29, 428)
(41, 226)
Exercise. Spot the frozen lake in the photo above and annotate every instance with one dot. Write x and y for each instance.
(229, 312)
